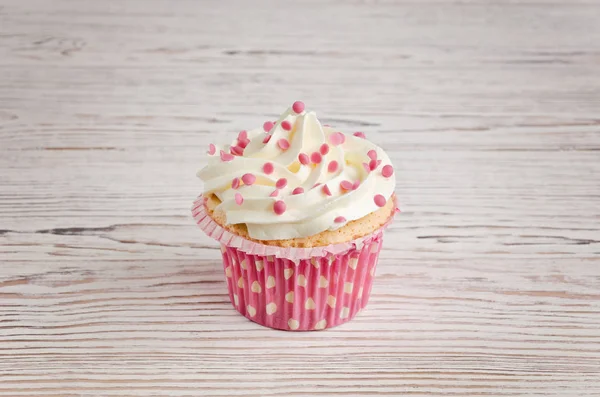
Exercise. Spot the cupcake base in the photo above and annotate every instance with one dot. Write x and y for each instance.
(296, 289)
(301, 295)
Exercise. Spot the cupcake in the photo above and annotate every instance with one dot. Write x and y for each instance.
(299, 209)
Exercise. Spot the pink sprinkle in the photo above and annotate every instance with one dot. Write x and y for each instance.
(298, 190)
(275, 193)
(333, 166)
(379, 200)
(248, 179)
(366, 167)
(226, 156)
(268, 126)
(340, 219)
(325, 189)
(372, 154)
(337, 138)
(268, 168)
(372, 165)
(283, 144)
(281, 183)
(239, 199)
(243, 135)
(235, 183)
(303, 158)
(346, 185)
(243, 143)
(298, 107)
(356, 185)
(212, 149)
(324, 149)
(316, 157)
(238, 151)
(286, 125)
(315, 185)
(267, 139)
(279, 207)
(360, 135)
(387, 171)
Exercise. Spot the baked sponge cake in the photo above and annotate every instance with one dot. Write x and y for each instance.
(299, 209)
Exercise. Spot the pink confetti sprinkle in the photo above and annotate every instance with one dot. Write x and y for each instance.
(324, 149)
(333, 166)
(340, 219)
(212, 149)
(268, 168)
(286, 125)
(373, 165)
(316, 157)
(243, 135)
(235, 183)
(325, 190)
(316, 184)
(243, 143)
(298, 107)
(360, 135)
(226, 156)
(366, 167)
(248, 179)
(346, 185)
(337, 138)
(281, 183)
(387, 171)
(279, 207)
(372, 154)
(275, 193)
(356, 185)
(298, 190)
(238, 151)
(239, 199)
(283, 144)
(379, 200)
(267, 139)
(303, 158)
(268, 126)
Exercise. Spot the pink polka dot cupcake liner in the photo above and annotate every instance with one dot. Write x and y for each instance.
(295, 289)
(303, 295)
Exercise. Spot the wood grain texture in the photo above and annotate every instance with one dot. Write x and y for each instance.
(488, 284)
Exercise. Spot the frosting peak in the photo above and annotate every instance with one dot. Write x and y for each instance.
(295, 178)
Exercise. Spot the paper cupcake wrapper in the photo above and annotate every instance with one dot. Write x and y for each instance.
(309, 294)
(295, 289)
(217, 232)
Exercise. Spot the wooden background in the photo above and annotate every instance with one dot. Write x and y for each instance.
(489, 282)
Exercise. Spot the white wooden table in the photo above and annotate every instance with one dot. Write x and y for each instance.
(489, 282)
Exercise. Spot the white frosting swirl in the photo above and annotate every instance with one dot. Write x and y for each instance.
(312, 211)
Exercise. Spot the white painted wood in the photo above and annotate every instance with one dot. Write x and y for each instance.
(489, 282)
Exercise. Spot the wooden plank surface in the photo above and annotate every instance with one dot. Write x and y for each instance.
(489, 281)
